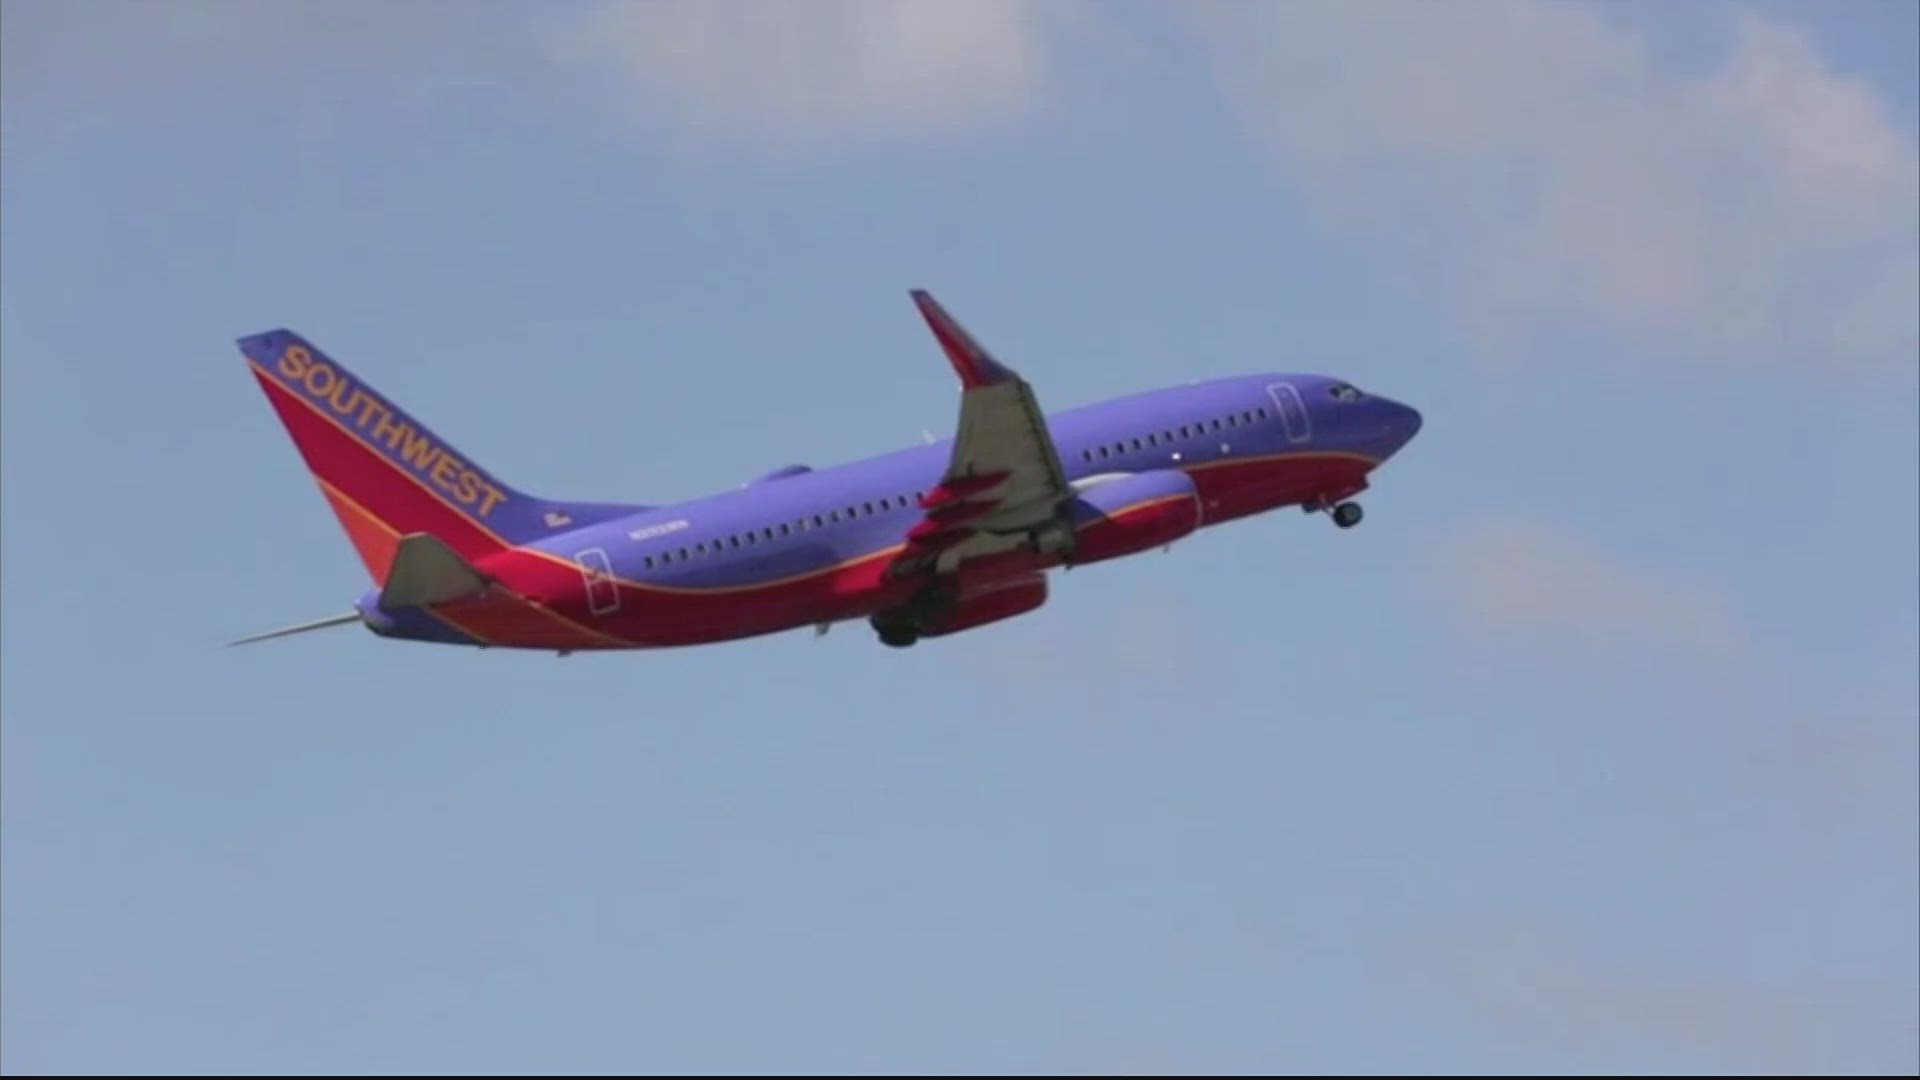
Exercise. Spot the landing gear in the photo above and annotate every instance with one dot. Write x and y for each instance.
(898, 628)
(895, 636)
(901, 627)
(1347, 514)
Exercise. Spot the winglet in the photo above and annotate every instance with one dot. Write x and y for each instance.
(974, 364)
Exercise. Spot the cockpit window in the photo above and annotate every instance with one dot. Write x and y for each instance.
(1343, 392)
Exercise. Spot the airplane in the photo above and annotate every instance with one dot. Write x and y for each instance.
(922, 542)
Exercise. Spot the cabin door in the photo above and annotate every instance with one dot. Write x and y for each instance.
(1293, 412)
(603, 594)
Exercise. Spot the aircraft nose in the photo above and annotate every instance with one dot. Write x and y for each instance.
(1402, 423)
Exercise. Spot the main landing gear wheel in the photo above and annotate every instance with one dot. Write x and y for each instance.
(896, 629)
(902, 626)
(1347, 515)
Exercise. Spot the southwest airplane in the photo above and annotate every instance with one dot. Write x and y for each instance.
(921, 542)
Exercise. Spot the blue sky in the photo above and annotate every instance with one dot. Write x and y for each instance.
(1592, 749)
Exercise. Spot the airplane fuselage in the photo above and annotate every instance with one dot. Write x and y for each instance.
(809, 547)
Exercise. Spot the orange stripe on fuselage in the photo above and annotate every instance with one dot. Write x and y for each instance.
(660, 615)
(354, 474)
(514, 621)
(380, 543)
(500, 619)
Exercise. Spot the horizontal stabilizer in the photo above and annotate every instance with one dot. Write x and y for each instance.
(426, 571)
(317, 624)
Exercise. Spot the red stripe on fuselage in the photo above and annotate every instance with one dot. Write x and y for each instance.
(495, 619)
(513, 622)
(1236, 489)
(381, 542)
(653, 617)
(656, 616)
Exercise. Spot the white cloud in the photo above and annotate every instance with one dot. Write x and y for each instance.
(1517, 576)
(1534, 159)
(784, 71)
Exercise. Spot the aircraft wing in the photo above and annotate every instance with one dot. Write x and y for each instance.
(1004, 486)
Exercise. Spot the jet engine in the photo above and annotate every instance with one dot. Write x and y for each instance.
(1131, 514)
(991, 604)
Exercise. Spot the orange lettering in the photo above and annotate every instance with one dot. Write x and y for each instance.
(447, 465)
(469, 487)
(420, 450)
(389, 430)
(493, 497)
(320, 369)
(293, 362)
(368, 405)
(339, 391)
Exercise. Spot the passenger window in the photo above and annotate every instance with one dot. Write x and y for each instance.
(733, 541)
(647, 562)
(700, 548)
(1136, 444)
(1261, 413)
(817, 523)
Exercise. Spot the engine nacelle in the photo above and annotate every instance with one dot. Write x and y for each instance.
(1131, 514)
(991, 604)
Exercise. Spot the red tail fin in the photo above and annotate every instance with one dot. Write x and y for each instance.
(385, 474)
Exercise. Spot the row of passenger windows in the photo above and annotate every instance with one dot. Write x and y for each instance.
(767, 534)
(1167, 438)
